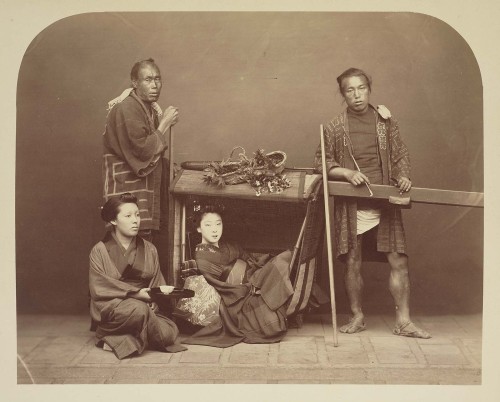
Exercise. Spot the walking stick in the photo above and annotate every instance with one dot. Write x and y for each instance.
(183, 233)
(328, 237)
(171, 208)
(170, 156)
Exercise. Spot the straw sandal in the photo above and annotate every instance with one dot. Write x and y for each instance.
(355, 326)
(412, 332)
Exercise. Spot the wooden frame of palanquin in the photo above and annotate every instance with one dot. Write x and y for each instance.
(270, 223)
(190, 183)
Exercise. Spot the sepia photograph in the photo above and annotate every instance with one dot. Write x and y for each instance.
(263, 198)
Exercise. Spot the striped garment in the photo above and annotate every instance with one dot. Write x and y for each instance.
(133, 157)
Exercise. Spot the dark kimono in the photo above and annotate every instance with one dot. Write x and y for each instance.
(395, 163)
(132, 160)
(253, 297)
(126, 324)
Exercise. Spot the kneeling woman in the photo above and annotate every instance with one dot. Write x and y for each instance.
(253, 297)
(123, 268)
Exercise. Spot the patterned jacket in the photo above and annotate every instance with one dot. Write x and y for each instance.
(395, 162)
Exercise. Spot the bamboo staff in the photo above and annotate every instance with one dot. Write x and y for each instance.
(183, 233)
(328, 237)
(171, 277)
(171, 156)
(297, 245)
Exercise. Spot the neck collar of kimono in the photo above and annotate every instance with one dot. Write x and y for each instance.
(110, 240)
(207, 247)
(129, 262)
(122, 241)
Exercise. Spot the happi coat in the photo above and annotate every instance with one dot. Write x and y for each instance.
(126, 324)
(132, 160)
(252, 308)
(395, 163)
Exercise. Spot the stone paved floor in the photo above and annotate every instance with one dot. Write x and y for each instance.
(56, 349)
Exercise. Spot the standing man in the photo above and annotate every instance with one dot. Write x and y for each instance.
(135, 140)
(363, 145)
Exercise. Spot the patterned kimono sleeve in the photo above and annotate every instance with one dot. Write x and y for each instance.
(331, 162)
(400, 157)
(230, 294)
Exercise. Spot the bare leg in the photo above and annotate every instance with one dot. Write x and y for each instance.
(354, 287)
(399, 286)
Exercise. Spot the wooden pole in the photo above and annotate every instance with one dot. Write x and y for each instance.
(297, 245)
(418, 194)
(171, 156)
(171, 209)
(328, 237)
(183, 233)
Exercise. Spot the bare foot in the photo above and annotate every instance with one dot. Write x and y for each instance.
(411, 330)
(355, 324)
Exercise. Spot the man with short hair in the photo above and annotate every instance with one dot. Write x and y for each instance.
(135, 140)
(363, 146)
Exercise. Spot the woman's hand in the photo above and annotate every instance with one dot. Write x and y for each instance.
(356, 178)
(404, 184)
(142, 295)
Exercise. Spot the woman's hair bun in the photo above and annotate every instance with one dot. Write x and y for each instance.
(110, 209)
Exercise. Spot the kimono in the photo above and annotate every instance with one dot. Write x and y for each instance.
(253, 296)
(395, 162)
(132, 160)
(126, 324)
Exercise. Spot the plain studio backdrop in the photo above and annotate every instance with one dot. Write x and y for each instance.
(259, 80)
